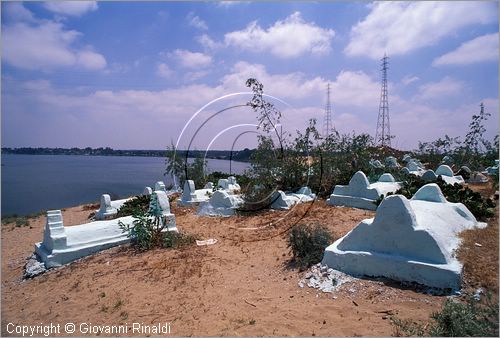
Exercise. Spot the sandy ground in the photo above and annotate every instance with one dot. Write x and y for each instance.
(243, 285)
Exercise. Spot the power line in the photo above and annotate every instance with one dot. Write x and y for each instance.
(383, 132)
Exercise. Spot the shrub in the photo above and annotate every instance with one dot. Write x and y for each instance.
(134, 205)
(173, 239)
(308, 243)
(471, 318)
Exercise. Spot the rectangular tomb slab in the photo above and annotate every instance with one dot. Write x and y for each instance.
(62, 244)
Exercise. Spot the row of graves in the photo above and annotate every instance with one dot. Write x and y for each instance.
(411, 240)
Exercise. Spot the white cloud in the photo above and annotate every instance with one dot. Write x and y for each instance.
(193, 60)
(207, 42)
(480, 49)
(441, 89)
(15, 11)
(91, 60)
(409, 79)
(71, 8)
(288, 38)
(46, 46)
(196, 22)
(397, 28)
(163, 70)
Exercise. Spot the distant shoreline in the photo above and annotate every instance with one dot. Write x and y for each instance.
(237, 155)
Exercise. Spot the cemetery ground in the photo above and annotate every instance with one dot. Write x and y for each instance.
(242, 285)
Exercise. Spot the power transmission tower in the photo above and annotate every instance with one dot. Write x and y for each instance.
(327, 121)
(383, 133)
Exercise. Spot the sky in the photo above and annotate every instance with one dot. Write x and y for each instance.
(144, 75)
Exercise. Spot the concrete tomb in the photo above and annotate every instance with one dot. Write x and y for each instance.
(229, 184)
(220, 204)
(391, 162)
(147, 191)
(407, 240)
(492, 171)
(415, 167)
(192, 197)
(465, 172)
(108, 208)
(209, 185)
(477, 178)
(360, 193)
(447, 175)
(283, 201)
(62, 244)
(447, 160)
(376, 164)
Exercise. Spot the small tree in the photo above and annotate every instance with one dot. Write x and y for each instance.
(474, 141)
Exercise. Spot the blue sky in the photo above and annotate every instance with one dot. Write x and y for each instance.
(131, 75)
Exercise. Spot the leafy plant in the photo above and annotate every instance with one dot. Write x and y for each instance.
(308, 243)
(173, 239)
(133, 205)
(471, 318)
(147, 230)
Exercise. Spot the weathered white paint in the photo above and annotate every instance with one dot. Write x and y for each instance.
(360, 193)
(191, 197)
(408, 240)
(220, 204)
(62, 244)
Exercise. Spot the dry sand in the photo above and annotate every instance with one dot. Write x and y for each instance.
(243, 285)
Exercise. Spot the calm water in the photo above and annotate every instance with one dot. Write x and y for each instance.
(32, 183)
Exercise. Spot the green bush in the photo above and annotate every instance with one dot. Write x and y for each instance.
(133, 205)
(173, 239)
(308, 243)
(471, 318)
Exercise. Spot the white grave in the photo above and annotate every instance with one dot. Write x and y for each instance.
(492, 171)
(477, 178)
(408, 240)
(376, 164)
(160, 186)
(360, 193)
(229, 184)
(147, 191)
(192, 197)
(62, 244)
(220, 204)
(283, 201)
(108, 208)
(209, 185)
(447, 175)
(391, 162)
(429, 176)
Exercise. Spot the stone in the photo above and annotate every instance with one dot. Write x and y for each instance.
(386, 178)
(147, 191)
(284, 201)
(405, 171)
(160, 186)
(62, 244)
(429, 176)
(447, 160)
(33, 267)
(360, 193)
(209, 185)
(407, 240)
(221, 203)
(406, 158)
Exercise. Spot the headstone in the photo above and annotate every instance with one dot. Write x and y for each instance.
(189, 191)
(147, 191)
(387, 177)
(413, 166)
(444, 170)
(106, 210)
(408, 240)
(54, 236)
(280, 201)
(391, 162)
(447, 160)
(160, 186)
(163, 202)
(429, 176)
(376, 164)
(209, 185)
(405, 171)
(223, 183)
(406, 158)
